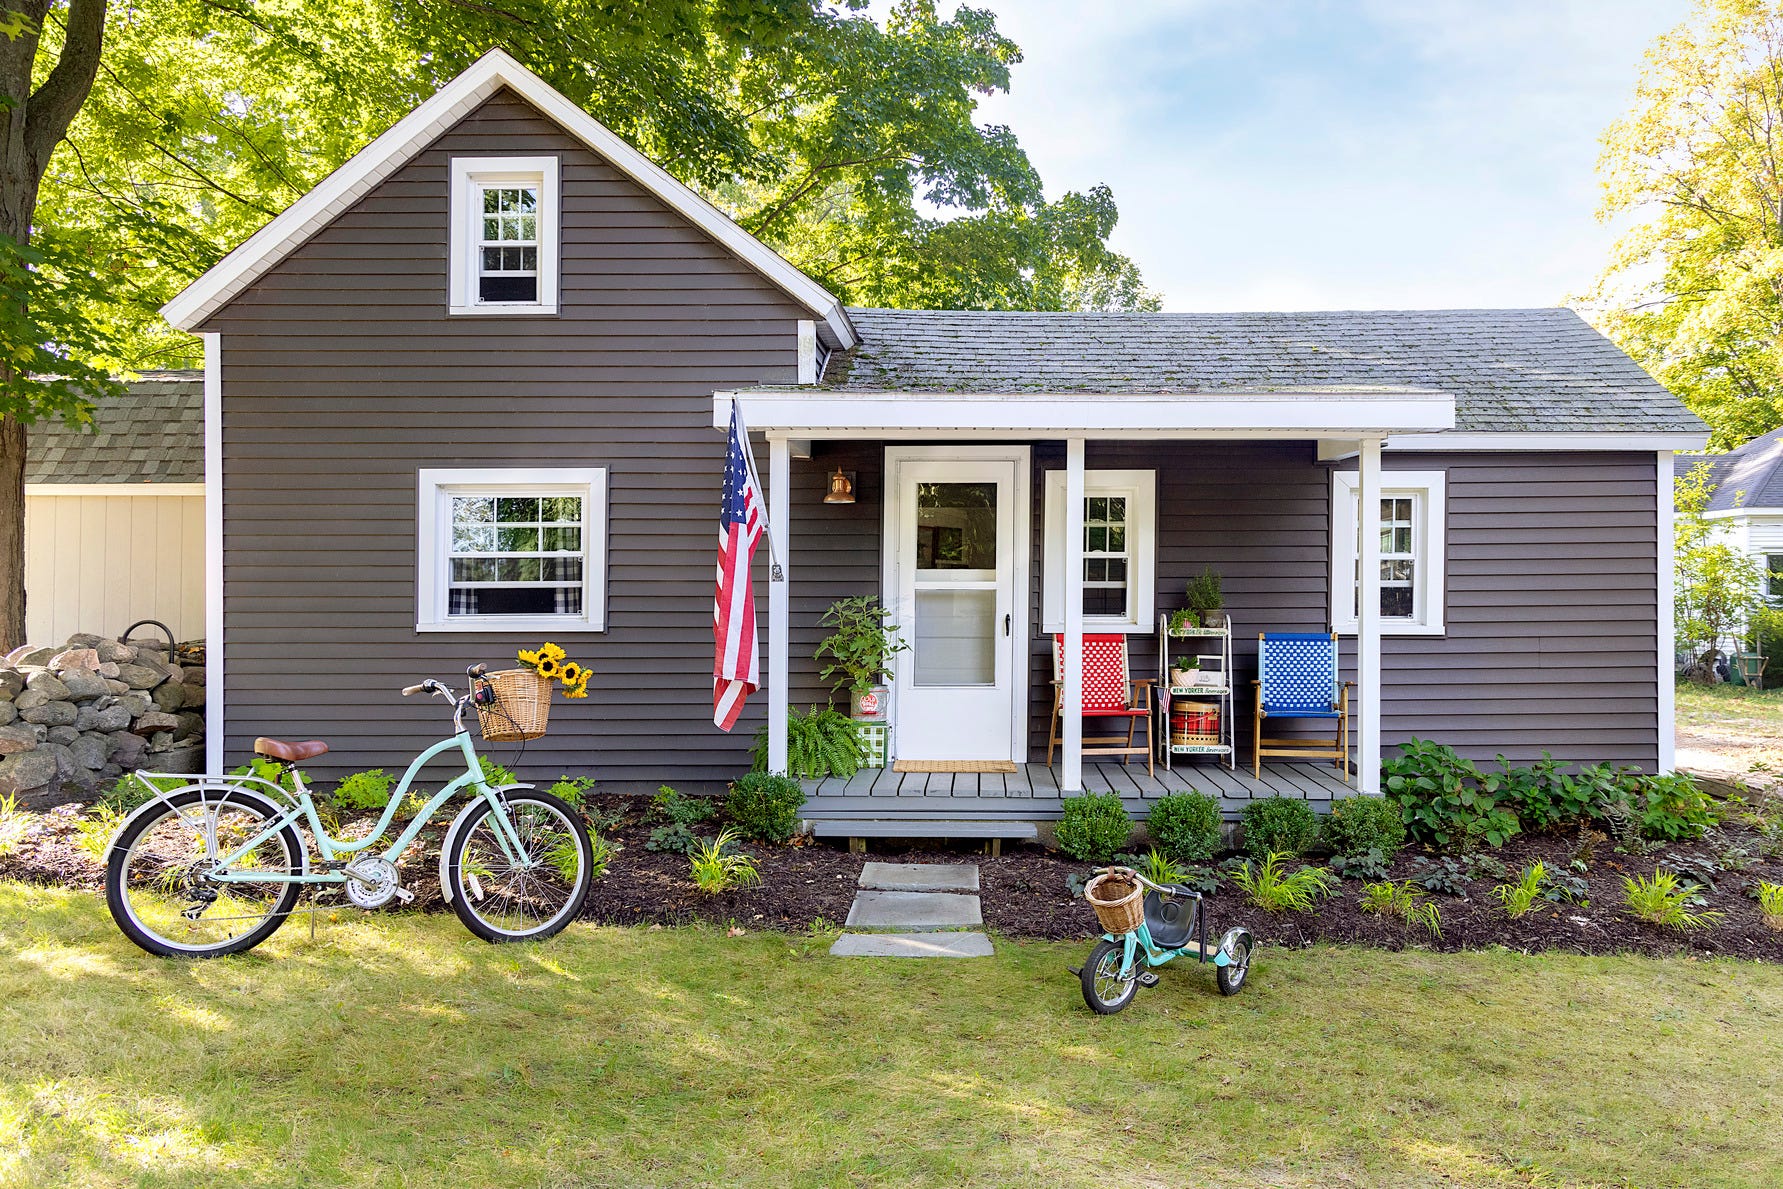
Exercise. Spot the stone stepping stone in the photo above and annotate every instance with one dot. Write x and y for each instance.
(915, 912)
(920, 877)
(911, 945)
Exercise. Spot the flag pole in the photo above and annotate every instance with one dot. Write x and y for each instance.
(775, 573)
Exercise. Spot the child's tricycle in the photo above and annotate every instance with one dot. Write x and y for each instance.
(1163, 923)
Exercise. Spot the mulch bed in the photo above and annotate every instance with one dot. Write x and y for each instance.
(1024, 892)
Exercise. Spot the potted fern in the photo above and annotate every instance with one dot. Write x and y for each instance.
(860, 653)
(1204, 598)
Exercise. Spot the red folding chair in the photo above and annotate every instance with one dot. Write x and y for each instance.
(1108, 693)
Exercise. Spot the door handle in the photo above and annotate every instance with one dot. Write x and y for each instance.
(1006, 623)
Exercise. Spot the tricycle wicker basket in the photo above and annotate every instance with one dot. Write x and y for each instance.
(1119, 901)
(521, 707)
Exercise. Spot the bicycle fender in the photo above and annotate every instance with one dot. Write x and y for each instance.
(237, 793)
(1229, 945)
(458, 824)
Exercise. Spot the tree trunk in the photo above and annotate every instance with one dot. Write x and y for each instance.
(12, 533)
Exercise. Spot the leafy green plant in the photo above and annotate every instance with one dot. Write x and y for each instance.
(364, 790)
(1160, 868)
(133, 790)
(574, 789)
(13, 824)
(862, 646)
(823, 742)
(1446, 875)
(1519, 897)
(1404, 900)
(674, 838)
(1358, 825)
(1269, 888)
(1370, 864)
(1286, 825)
(1665, 900)
(92, 833)
(1770, 902)
(1674, 808)
(1185, 825)
(678, 809)
(1445, 799)
(494, 775)
(1184, 617)
(1202, 592)
(272, 772)
(717, 867)
(763, 807)
(1093, 826)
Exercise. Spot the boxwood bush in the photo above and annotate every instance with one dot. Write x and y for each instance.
(1094, 827)
(1358, 825)
(1279, 825)
(1185, 826)
(765, 808)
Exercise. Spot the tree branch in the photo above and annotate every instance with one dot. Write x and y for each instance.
(53, 106)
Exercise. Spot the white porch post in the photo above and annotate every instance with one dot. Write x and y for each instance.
(1368, 617)
(779, 597)
(1071, 696)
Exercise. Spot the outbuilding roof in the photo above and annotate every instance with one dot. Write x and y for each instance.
(1750, 477)
(152, 434)
(1507, 370)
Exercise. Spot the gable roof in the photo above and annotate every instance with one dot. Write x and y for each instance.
(1746, 479)
(415, 131)
(154, 433)
(1507, 370)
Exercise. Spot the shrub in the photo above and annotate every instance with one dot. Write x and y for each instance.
(765, 808)
(1665, 900)
(1093, 827)
(1403, 900)
(1358, 825)
(677, 809)
(1185, 826)
(1285, 825)
(717, 867)
(1770, 902)
(1518, 898)
(1673, 808)
(1273, 891)
(1446, 800)
(364, 790)
(818, 744)
(574, 789)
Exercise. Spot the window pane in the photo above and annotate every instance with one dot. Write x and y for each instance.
(1117, 540)
(1116, 568)
(956, 526)
(473, 569)
(517, 510)
(1402, 540)
(491, 201)
(956, 637)
(517, 540)
(499, 288)
(473, 539)
(1096, 540)
(560, 569)
(564, 509)
(512, 600)
(1105, 600)
(472, 509)
(1095, 507)
(517, 569)
(561, 539)
(1396, 571)
(1396, 602)
(1117, 508)
(1094, 570)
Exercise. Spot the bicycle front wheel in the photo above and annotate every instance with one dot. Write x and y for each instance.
(524, 896)
(159, 880)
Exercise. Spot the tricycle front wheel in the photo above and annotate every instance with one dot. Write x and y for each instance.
(1103, 987)
(1231, 978)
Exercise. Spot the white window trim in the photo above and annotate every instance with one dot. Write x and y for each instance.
(1429, 546)
(468, 173)
(433, 547)
(1141, 490)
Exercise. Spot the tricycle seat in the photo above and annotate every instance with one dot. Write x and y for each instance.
(1171, 921)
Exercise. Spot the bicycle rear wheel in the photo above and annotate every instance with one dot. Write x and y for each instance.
(157, 874)
(531, 895)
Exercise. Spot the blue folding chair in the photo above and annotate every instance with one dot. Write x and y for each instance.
(1297, 678)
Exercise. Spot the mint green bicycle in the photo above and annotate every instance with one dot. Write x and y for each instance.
(215, 866)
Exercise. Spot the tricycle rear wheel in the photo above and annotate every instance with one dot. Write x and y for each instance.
(1103, 987)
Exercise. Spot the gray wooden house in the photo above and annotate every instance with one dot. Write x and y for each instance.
(500, 299)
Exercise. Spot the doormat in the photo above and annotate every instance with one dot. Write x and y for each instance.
(954, 766)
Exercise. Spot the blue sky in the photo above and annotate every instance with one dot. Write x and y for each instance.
(1367, 154)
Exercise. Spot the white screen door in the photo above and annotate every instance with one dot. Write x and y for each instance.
(954, 561)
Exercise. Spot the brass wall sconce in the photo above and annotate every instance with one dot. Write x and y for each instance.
(841, 488)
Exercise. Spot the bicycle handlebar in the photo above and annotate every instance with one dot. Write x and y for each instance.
(409, 690)
(1167, 889)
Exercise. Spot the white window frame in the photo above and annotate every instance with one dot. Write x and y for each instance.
(436, 487)
(1140, 488)
(1429, 493)
(469, 177)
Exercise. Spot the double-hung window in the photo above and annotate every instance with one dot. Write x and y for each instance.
(1773, 577)
(512, 549)
(504, 235)
(1412, 548)
(1118, 552)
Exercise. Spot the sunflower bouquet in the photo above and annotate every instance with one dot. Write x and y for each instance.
(547, 660)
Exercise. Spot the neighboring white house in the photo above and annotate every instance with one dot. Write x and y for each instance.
(114, 515)
(1748, 499)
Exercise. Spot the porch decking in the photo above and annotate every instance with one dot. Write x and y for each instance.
(1032, 792)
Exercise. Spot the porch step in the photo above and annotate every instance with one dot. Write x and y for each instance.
(920, 877)
(901, 827)
(912, 945)
(914, 912)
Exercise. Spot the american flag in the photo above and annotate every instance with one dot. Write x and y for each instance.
(736, 661)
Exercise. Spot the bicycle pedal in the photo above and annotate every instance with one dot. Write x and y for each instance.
(404, 895)
(1147, 979)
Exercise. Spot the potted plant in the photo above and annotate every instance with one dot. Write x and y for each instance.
(1183, 619)
(860, 653)
(1185, 670)
(1202, 594)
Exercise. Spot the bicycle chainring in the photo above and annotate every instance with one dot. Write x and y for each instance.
(372, 882)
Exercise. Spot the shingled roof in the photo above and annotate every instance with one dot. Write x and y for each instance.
(1749, 477)
(1508, 370)
(152, 434)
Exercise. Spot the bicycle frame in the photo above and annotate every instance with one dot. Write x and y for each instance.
(305, 808)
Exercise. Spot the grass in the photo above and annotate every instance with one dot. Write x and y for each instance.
(394, 1050)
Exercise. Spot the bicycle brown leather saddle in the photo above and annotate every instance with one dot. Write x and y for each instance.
(290, 753)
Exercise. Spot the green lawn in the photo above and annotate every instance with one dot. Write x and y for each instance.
(396, 1051)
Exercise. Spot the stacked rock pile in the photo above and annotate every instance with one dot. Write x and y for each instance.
(74, 718)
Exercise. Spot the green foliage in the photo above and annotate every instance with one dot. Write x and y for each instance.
(823, 742)
(1357, 826)
(676, 808)
(1769, 896)
(1403, 900)
(13, 824)
(1666, 900)
(1284, 824)
(93, 832)
(716, 867)
(133, 790)
(1446, 800)
(1269, 888)
(1184, 617)
(494, 775)
(574, 789)
(364, 790)
(1519, 897)
(765, 808)
(1719, 587)
(1674, 808)
(674, 838)
(1159, 868)
(1093, 826)
(273, 772)
(49, 333)
(1202, 592)
(1185, 825)
(862, 646)
(1369, 864)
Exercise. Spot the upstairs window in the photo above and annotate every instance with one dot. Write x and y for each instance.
(504, 235)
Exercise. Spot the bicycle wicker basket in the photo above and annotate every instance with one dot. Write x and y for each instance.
(1119, 901)
(521, 707)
